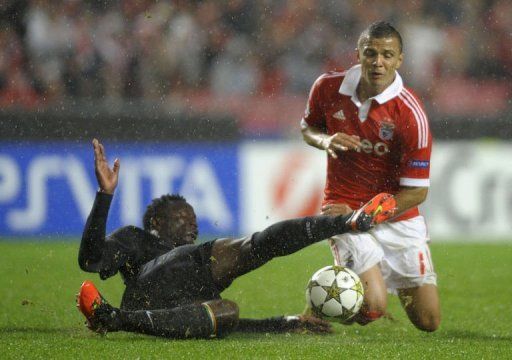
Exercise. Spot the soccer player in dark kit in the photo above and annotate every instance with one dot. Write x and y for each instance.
(173, 286)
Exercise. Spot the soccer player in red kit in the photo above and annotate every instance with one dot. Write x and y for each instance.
(376, 135)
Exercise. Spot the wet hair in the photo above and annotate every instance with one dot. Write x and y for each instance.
(158, 206)
(379, 30)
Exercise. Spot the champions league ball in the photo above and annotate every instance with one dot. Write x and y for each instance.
(335, 293)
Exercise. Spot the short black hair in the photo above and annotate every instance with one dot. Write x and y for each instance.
(158, 206)
(379, 30)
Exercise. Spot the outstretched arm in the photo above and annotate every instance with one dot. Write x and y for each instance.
(107, 178)
(93, 237)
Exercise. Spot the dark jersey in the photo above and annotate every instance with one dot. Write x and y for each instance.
(156, 275)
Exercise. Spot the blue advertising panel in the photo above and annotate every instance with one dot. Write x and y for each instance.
(47, 189)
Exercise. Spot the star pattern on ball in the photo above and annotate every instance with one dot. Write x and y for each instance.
(358, 287)
(337, 269)
(333, 292)
(348, 313)
(312, 284)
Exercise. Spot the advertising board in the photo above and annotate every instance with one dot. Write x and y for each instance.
(470, 197)
(47, 189)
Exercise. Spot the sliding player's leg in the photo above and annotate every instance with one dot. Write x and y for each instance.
(235, 257)
(214, 318)
(422, 306)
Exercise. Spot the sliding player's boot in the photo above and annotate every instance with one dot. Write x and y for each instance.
(99, 314)
(380, 208)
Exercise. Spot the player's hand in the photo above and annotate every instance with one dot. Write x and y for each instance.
(340, 142)
(308, 324)
(107, 178)
(336, 209)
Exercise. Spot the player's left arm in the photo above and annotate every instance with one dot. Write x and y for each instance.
(392, 206)
(416, 142)
(413, 134)
(409, 197)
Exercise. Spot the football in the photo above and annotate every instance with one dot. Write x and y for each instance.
(335, 293)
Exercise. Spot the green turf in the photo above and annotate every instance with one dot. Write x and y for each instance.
(38, 317)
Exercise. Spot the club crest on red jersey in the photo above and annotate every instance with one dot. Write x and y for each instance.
(386, 130)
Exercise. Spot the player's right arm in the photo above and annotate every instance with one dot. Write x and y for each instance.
(318, 138)
(107, 178)
(96, 253)
(92, 256)
(314, 130)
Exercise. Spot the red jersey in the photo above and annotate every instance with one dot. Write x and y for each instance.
(394, 132)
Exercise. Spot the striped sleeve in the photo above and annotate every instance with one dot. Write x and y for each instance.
(417, 141)
(420, 118)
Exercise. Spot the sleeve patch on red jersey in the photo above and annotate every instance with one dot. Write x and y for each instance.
(423, 164)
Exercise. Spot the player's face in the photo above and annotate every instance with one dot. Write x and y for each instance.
(180, 227)
(379, 59)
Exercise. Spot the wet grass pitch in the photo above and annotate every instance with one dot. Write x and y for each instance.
(39, 280)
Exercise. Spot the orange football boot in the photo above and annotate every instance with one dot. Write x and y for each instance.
(381, 207)
(87, 301)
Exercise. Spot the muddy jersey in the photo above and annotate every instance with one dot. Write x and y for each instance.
(156, 274)
(394, 132)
